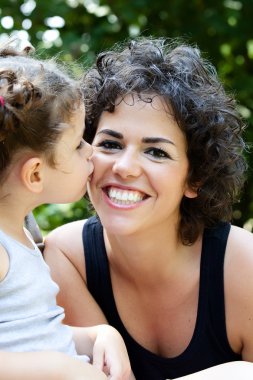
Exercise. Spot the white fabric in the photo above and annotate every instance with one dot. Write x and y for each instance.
(30, 319)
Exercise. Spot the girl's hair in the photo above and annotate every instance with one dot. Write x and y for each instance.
(36, 96)
(204, 112)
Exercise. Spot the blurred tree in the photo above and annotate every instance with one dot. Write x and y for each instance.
(79, 29)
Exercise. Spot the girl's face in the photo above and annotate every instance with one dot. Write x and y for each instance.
(66, 182)
(141, 167)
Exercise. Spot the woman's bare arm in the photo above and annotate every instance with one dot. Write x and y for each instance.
(65, 256)
(238, 269)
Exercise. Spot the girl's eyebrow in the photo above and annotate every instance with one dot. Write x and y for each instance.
(146, 140)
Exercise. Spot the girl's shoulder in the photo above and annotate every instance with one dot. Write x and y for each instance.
(4, 262)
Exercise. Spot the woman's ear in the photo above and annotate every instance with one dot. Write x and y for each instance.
(191, 192)
(31, 174)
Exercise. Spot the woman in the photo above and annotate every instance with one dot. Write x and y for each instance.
(162, 263)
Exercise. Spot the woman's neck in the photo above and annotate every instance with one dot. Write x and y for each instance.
(152, 264)
(147, 254)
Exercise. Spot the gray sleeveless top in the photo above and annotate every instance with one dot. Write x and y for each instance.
(30, 319)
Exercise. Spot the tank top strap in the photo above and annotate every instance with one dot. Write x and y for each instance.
(212, 281)
(97, 266)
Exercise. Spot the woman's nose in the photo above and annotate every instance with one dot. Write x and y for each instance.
(127, 165)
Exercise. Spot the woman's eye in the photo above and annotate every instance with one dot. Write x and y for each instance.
(109, 145)
(157, 153)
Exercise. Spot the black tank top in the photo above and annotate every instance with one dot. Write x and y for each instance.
(209, 345)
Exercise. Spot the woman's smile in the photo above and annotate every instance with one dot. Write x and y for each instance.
(119, 196)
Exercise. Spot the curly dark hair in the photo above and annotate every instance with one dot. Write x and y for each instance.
(36, 98)
(206, 114)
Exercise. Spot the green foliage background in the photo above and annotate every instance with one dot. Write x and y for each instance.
(222, 29)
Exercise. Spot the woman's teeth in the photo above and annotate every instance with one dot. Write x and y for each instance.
(124, 197)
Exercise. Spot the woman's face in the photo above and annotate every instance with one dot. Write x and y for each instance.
(140, 167)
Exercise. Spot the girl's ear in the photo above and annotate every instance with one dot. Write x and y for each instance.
(31, 174)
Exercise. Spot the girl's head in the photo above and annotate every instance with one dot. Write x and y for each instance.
(204, 112)
(39, 105)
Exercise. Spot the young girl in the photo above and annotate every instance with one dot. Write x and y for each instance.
(43, 159)
(162, 262)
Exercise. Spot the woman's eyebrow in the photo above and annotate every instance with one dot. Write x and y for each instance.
(146, 140)
(112, 133)
(155, 140)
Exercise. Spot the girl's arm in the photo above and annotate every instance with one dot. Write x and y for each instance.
(46, 365)
(106, 347)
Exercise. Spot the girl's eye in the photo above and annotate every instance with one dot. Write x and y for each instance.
(109, 145)
(82, 143)
(157, 153)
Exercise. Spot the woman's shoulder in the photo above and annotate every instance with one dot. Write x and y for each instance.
(239, 252)
(66, 233)
(66, 239)
(240, 242)
(239, 265)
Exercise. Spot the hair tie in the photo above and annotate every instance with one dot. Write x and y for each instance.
(2, 102)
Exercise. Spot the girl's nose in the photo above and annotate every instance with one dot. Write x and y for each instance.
(91, 166)
(89, 150)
